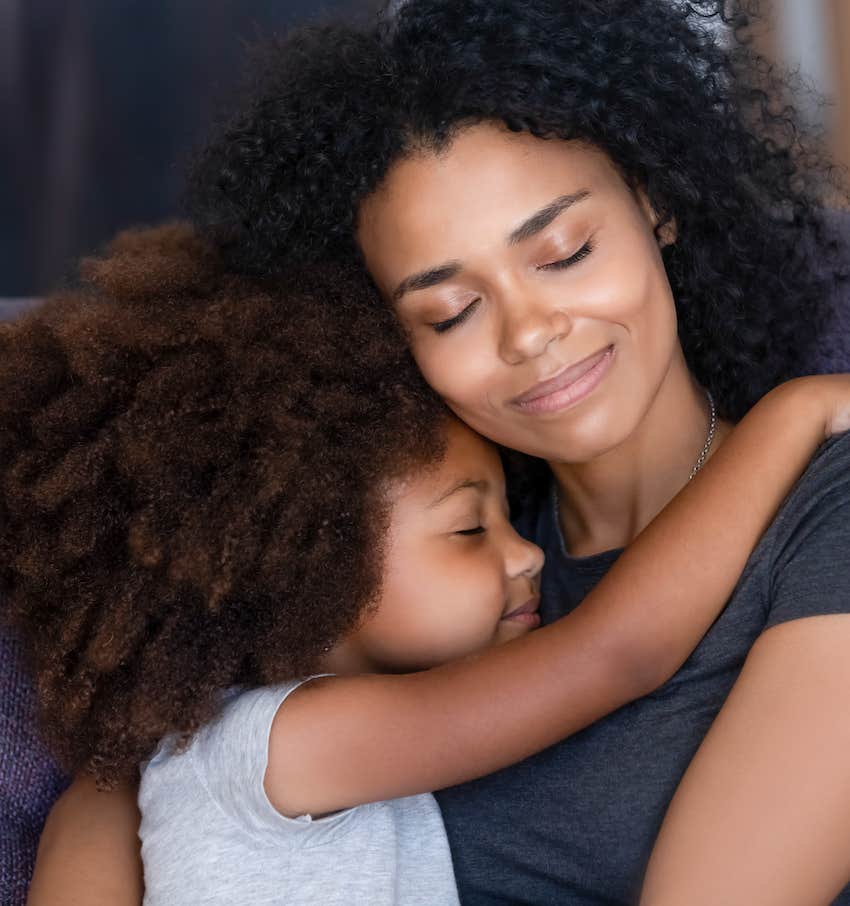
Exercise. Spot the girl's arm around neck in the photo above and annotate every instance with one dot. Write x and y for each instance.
(344, 741)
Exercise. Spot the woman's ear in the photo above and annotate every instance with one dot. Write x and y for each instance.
(666, 231)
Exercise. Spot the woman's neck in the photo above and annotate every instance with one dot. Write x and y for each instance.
(606, 502)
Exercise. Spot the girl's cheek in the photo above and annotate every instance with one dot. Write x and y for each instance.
(492, 575)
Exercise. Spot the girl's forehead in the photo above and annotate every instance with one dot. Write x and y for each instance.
(469, 464)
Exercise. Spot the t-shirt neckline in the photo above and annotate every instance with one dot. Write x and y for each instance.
(593, 563)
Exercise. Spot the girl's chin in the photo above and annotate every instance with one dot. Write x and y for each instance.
(508, 630)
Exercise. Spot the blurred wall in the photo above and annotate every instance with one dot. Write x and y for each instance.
(101, 102)
(813, 37)
(839, 21)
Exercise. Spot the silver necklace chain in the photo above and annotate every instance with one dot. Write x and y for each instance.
(709, 440)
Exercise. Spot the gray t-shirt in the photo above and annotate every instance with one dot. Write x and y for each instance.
(211, 836)
(576, 823)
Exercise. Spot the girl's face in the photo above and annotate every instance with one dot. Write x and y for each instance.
(529, 278)
(457, 577)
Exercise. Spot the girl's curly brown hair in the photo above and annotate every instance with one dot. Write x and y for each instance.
(193, 476)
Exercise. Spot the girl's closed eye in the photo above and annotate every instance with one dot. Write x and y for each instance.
(477, 530)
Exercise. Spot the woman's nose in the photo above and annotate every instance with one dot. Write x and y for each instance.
(529, 325)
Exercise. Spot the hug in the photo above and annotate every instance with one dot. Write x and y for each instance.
(255, 531)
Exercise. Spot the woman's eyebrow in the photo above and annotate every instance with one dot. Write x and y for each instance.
(542, 218)
(425, 279)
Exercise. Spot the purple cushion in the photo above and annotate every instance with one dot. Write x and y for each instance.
(11, 308)
(834, 353)
(29, 781)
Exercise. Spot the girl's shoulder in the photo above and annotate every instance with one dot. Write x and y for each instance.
(224, 762)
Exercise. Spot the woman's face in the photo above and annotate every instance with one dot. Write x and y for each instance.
(529, 278)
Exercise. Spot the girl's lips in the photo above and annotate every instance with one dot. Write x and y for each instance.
(532, 620)
(527, 614)
(569, 387)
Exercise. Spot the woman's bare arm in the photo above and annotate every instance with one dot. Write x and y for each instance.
(762, 815)
(402, 735)
(89, 853)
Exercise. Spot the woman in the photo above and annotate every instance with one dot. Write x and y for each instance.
(598, 230)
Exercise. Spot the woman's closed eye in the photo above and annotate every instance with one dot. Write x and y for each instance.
(449, 323)
(563, 263)
(478, 530)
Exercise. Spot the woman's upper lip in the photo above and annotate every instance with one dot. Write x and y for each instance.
(561, 379)
(530, 606)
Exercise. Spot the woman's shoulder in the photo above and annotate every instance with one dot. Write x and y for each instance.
(824, 485)
(808, 568)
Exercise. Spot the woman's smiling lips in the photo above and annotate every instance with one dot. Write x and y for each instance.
(569, 386)
(526, 614)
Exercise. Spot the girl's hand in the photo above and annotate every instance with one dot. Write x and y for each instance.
(827, 394)
(837, 385)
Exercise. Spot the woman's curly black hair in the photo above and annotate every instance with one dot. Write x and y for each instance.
(193, 495)
(672, 91)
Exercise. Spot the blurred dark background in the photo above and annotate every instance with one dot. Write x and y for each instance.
(103, 101)
(101, 104)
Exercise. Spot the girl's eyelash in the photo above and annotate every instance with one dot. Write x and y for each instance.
(478, 530)
(582, 253)
(449, 323)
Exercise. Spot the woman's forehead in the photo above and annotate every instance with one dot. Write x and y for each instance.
(435, 207)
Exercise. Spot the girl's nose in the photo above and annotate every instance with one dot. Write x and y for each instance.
(523, 558)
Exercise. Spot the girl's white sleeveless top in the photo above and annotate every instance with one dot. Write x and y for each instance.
(210, 835)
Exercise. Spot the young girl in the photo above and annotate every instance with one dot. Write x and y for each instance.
(244, 541)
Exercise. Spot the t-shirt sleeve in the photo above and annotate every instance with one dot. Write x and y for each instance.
(810, 574)
(230, 756)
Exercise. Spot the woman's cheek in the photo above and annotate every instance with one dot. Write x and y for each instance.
(465, 386)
